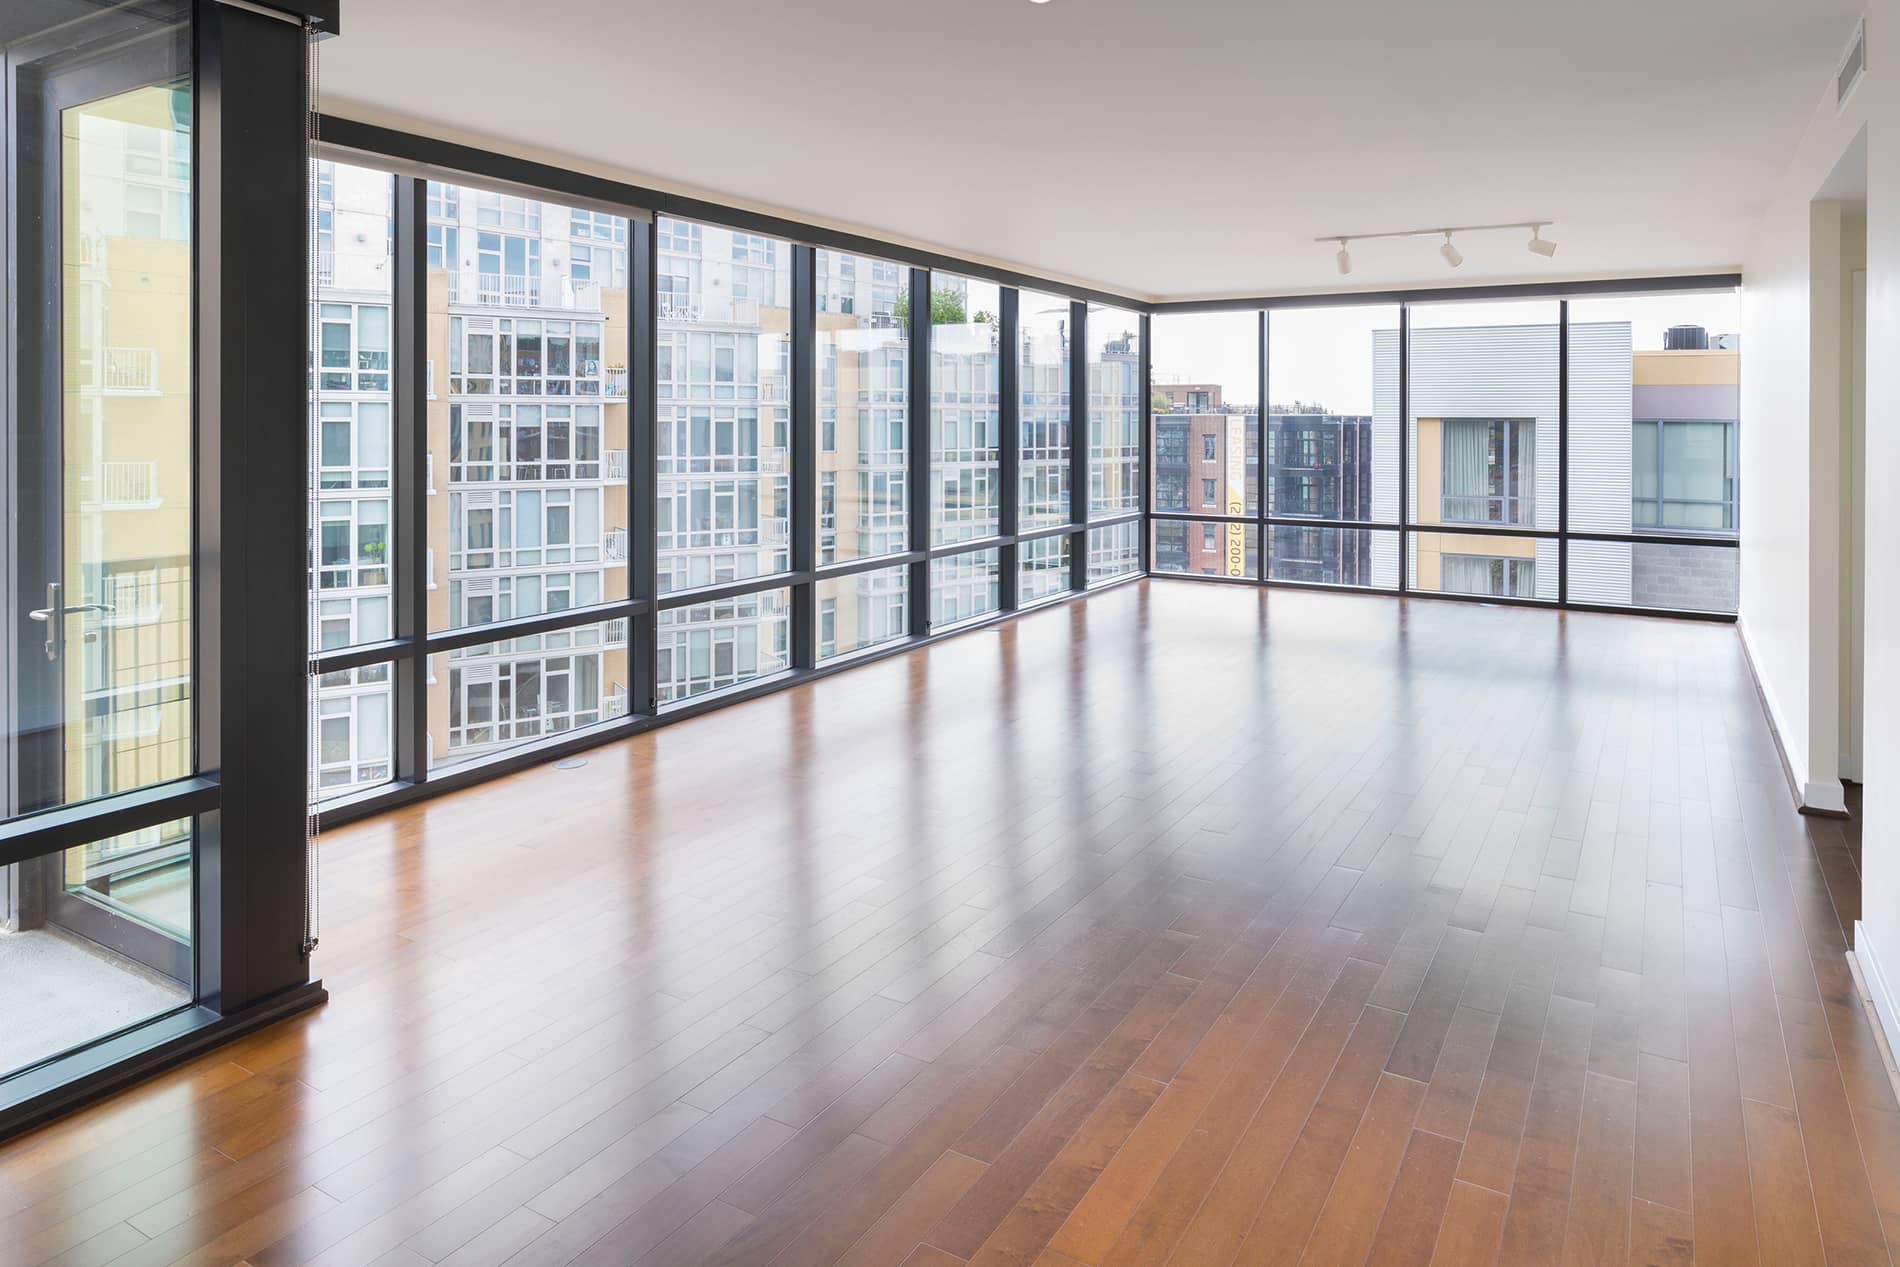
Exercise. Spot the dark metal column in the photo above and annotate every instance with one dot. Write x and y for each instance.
(1009, 444)
(643, 494)
(1262, 467)
(918, 433)
(1563, 452)
(1405, 444)
(1146, 473)
(409, 477)
(804, 462)
(1081, 441)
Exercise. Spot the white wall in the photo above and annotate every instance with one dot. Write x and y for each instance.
(1790, 476)
(1878, 938)
(1782, 527)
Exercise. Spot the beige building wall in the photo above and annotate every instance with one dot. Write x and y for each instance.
(1431, 547)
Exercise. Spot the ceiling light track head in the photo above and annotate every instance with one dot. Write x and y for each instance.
(1447, 250)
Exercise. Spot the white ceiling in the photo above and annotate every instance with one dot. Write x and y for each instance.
(1168, 148)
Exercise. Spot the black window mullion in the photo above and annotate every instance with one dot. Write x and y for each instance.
(1081, 436)
(1009, 444)
(1405, 446)
(1563, 452)
(919, 433)
(804, 462)
(643, 560)
(1145, 475)
(1262, 466)
(410, 478)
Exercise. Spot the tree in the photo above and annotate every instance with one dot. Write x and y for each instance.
(946, 308)
(1160, 404)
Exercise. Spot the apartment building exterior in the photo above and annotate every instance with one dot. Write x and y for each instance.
(1653, 438)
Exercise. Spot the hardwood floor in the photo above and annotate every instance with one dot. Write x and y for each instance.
(1183, 925)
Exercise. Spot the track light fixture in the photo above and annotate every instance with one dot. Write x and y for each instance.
(1447, 250)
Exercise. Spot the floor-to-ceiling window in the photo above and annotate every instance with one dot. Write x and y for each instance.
(1204, 409)
(527, 467)
(151, 478)
(1581, 450)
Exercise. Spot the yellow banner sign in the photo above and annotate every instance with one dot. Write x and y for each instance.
(1236, 494)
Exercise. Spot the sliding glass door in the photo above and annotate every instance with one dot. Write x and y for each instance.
(98, 640)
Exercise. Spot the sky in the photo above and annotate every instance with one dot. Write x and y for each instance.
(1324, 355)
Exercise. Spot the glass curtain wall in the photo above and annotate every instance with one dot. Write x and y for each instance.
(1629, 401)
(98, 692)
(790, 499)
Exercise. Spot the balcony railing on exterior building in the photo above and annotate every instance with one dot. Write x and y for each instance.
(128, 371)
(507, 291)
(122, 486)
(616, 633)
(326, 268)
(614, 383)
(679, 308)
(614, 546)
(616, 465)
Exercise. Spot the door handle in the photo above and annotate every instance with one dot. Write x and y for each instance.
(53, 616)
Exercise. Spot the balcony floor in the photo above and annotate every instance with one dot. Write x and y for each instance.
(1188, 924)
(58, 991)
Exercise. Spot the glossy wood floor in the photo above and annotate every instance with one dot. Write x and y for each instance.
(1183, 925)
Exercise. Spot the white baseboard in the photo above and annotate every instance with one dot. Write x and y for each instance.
(1877, 991)
(1829, 797)
(1794, 764)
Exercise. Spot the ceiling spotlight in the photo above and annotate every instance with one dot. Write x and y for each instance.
(1540, 245)
(1344, 258)
(1453, 256)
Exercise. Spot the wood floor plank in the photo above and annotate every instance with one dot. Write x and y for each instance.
(1180, 924)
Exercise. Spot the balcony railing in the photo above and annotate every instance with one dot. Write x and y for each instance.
(126, 485)
(616, 466)
(326, 268)
(679, 308)
(614, 546)
(129, 371)
(615, 382)
(507, 291)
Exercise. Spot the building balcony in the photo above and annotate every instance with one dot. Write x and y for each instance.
(326, 268)
(125, 372)
(121, 486)
(495, 290)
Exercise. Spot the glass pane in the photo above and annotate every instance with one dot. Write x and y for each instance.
(1114, 551)
(1042, 354)
(1655, 387)
(93, 939)
(1678, 577)
(1333, 556)
(517, 692)
(965, 409)
(99, 694)
(1114, 411)
(1230, 550)
(724, 438)
(1484, 412)
(711, 646)
(964, 587)
(863, 362)
(1042, 569)
(1333, 426)
(528, 302)
(1205, 412)
(861, 611)
(354, 739)
(1496, 566)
